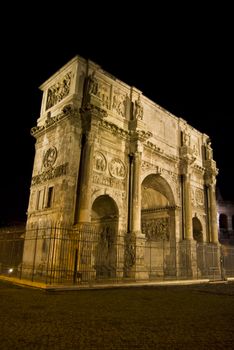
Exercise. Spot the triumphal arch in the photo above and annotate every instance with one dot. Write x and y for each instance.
(130, 183)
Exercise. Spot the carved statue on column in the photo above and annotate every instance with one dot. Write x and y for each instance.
(92, 84)
(186, 138)
(209, 151)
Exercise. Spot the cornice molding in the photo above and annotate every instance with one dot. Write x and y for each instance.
(68, 112)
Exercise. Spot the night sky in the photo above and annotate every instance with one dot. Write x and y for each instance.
(182, 62)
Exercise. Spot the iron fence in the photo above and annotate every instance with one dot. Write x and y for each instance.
(57, 255)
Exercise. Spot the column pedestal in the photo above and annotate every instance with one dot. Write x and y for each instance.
(187, 259)
(141, 272)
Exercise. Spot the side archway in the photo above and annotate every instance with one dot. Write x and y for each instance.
(105, 217)
(197, 230)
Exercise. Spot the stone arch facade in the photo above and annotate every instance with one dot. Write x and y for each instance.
(99, 139)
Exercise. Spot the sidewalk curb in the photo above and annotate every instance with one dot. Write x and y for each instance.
(51, 288)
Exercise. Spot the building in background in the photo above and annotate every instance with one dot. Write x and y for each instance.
(225, 220)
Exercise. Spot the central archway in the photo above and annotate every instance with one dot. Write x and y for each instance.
(158, 225)
(104, 218)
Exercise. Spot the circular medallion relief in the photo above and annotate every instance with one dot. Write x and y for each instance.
(99, 162)
(50, 157)
(199, 196)
(117, 168)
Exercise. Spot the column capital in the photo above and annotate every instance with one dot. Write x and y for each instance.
(185, 167)
(210, 177)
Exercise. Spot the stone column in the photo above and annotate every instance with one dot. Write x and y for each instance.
(213, 213)
(86, 179)
(187, 262)
(139, 238)
(188, 227)
(136, 194)
(210, 181)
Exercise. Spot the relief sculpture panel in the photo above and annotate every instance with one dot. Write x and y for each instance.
(156, 229)
(197, 195)
(118, 103)
(117, 168)
(58, 91)
(99, 89)
(99, 162)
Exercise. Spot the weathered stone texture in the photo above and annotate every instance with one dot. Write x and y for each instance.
(99, 140)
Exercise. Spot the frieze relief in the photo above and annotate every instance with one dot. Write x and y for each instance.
(156, 229)
(49, 174)
(58, 91)
(104, 180)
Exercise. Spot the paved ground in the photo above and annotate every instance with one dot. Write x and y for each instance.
(162, 317)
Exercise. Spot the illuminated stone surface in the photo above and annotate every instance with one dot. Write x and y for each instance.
(109, 157)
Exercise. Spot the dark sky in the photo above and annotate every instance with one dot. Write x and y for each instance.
(181, 60)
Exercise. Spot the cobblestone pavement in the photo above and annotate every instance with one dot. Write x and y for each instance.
(165, 317)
